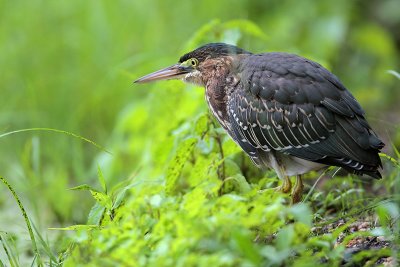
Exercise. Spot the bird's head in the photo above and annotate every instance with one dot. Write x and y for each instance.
(198, 65)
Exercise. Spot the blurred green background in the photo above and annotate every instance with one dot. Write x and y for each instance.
(70, 65)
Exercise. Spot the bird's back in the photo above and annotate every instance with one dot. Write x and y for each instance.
(293, 106)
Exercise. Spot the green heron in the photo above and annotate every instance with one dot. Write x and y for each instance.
(285, 111)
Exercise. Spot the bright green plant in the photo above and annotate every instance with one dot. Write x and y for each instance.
(188, 195)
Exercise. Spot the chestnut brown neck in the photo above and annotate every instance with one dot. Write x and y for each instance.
(218, 80)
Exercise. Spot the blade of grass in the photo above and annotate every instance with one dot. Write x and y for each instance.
(391, 159)
(27, 221)
(57, 131)
(315, 184)
(45, 246)
(33, 261)
(11, 258)
(394, 73)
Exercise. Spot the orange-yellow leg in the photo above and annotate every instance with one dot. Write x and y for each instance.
(297, 190)
(286, 185)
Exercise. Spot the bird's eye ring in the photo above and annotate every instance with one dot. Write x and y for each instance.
(194, 62)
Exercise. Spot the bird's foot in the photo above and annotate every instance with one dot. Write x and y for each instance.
(297, 190)
(285, 187)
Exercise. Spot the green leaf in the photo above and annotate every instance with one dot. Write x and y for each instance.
(230, 147)
(96, 214)
(82, 187)
(387, 212)
(247, 247)
(302, 213)
(201, 124)
(200, 171)
(102, 199)
(241, 181)
(176, 165)
(193, 201)
(119, 198)
(285, 237)
(101, 179)
(76, 227)
(272, 255)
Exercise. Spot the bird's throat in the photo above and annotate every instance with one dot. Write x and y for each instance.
(194, 77)
(219, 83)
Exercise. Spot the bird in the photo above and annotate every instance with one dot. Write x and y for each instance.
(285, 111)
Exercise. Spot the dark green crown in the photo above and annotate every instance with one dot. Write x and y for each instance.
(213, 50)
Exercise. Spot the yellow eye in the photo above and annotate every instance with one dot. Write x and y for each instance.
(194, 62)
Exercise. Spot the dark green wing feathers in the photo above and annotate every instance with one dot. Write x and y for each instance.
(295, 106)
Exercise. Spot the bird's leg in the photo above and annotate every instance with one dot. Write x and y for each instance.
(286, 185)
(297, 190)
(281, 173)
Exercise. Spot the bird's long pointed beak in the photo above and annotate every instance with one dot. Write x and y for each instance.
(172, 72)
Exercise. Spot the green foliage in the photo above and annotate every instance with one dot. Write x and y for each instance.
(230, 32)
(195, 228)
(199, 227)
(176, 191)
(176, 166)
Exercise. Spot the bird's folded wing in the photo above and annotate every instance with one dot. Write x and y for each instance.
(295, 106)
